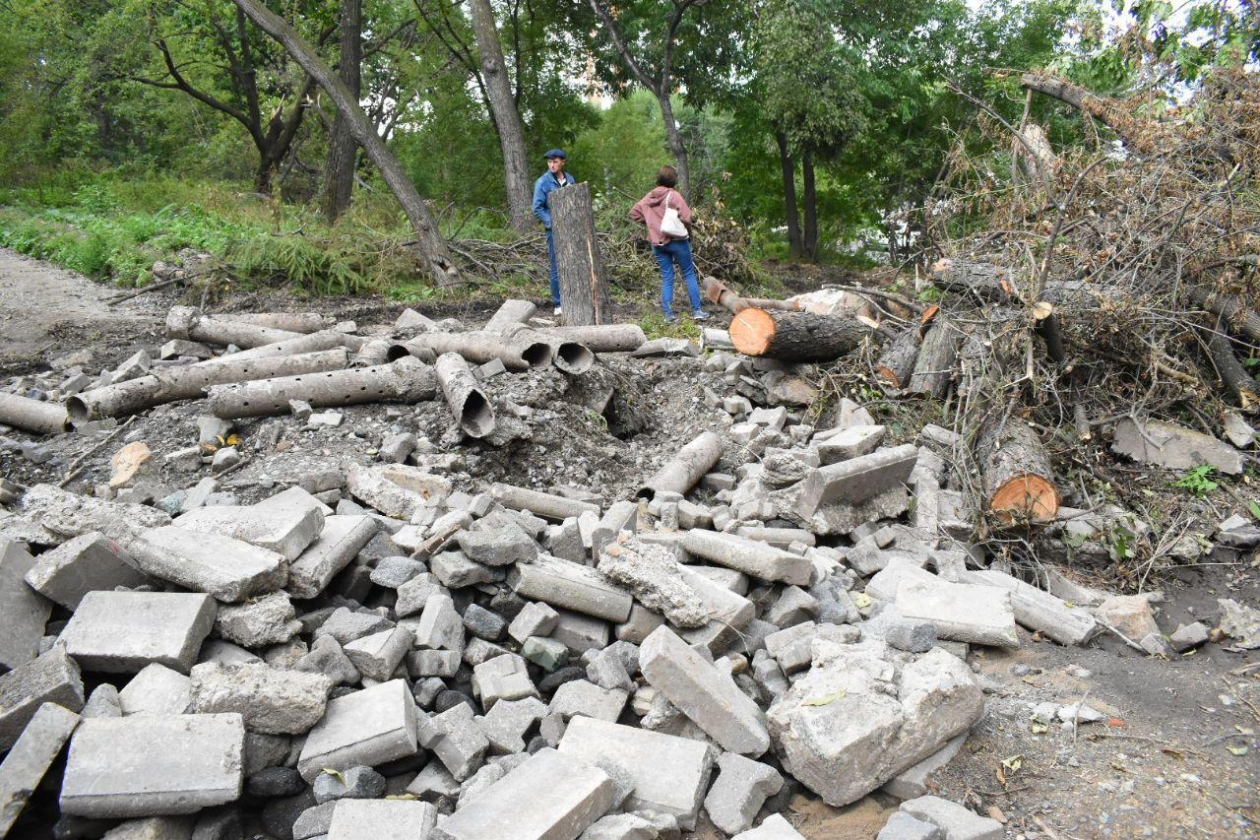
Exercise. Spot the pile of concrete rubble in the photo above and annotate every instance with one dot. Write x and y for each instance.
(384, 651)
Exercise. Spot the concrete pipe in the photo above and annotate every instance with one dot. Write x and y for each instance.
(298, 322)
(190, 323)
(190, 381)
(322, 340)
(715, 339)
(478, 347)
(30, 415)
(406, 380)
(509, 313)
(375, 352)
(467, 402)
(568, 355)
(542, 504)
(605, 338)
(686, 468)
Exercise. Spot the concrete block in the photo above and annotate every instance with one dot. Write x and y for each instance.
(548, 654)
(269, 620)
(1038, 610)
(912, 782)
(340, 540)
(704, 693)
(742, 787)
(433, 663)
(383, 819)
(582, 697)
(550, 795)
(507, 723)
(654, 575)
(847, 444)
(884, 585)
(502, 678)
(1173, 447)
(456, 739)
(153, 828)
(23, 611)
(793, 606)
(639, 625)
(122, 632)
(752, 558)
(287, 529)
(620, 516)
(103, 702)
(670, 774)
(50, 678)
(84, 564)
(962, 612)
(856, 480)
(156, 690)
(1130, 614)
(29, 759)
(434, 782)
(569, 585)
(270, 700)
(773, 827)
(440, 626)
(902, 826)
(456, 571)
(229, 569)
(370, 727)
(153, 765)
(356, 783)
(484, 623)
(377, 656)
(580, 633)
(957, 822)
(497, 540)
(1188, 636)
(536, 619)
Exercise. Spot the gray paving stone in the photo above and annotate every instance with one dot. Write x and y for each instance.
(354, 819)
(748, 556)
(229, 569)
(122, 632)
(670, 774)
(338, 543)
(742, 787)
(902, 826)
(104, 702)
(50, 678)
(269, 620)
(433, 782)
(548, 796)
(548, 654)
(704, 693)
(87, 563)
(456, 571)
(153, 828)
(506, 725)
(773, 827)
(581, 697)
(355, 783)
(270, 700)
(580, 633)
(433, 663)
(456, 739)
(502, 678)
(484, 623)
(285, 529)
(30, 758)
(856, 480)
(23, 611)
(393, 572)
(156, 690)
(415, 594)
(346, 625)
(962, 612)
(327, 657)
(497, 540)
(370, 727)
(562, 583)
(377, 656)
(440, 626)
(153, 765)
(314, 822)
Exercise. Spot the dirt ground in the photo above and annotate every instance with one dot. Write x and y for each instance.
(1177, 754)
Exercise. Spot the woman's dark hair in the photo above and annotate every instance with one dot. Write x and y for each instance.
(667, 177)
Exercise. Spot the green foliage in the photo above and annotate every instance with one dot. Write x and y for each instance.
(623, 151)
(654, 326)
(1198, 481)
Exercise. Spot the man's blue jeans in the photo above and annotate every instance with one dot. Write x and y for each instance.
(678, 250)
(555, 275)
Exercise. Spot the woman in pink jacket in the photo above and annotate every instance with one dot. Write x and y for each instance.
(650, 210)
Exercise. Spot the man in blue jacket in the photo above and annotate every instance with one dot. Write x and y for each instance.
(553, 179)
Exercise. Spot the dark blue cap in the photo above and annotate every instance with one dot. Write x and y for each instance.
(555, 153)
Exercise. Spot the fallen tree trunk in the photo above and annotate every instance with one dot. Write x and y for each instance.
(1016, 476)
(896, 363)
(468, 403)
(478, 347)
(934, 366)
(406, 380)
(795, 336)
(510, 313)
(604, 338)
(717, 292)
(1233, 375)
(685, 469)
(298, 322)
(32, 415)
(190, 382)
(1141, 136)
(583, 292)
(1240, 318)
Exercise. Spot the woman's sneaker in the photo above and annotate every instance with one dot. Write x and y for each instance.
(671, 319)
(699, 315)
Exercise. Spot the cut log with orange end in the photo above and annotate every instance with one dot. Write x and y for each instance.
(1016, 476)
(1026, 498)
(896, 363)
(795, 336)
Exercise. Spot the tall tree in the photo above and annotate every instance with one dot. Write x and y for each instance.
(430, 241)
(343, 151)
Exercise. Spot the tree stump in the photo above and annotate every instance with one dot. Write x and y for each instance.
(795, 336)
(583, 292)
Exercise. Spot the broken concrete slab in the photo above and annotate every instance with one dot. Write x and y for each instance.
(565, 584)
(156, 690)
(456, 739)
(962, 612)
(87, 563)
(122, 632)
(284, 529)
(1128, 614)
(395, 489)
(850, 443)
(913, 781)
(750, 557)
(229, 569)
(377, 656)
(957, 822)
(269, 620)
(1038, 610)
(1174, 447)
(270, 700)
(504, 677)
(506, 724)
(381, 819)
(70, 514)
(153, 765)
(704, 693)
(550, 795)
(670, 773)
(857, 480)
(773, 827)
(369, 727)
(51, 678)
(655, 577)
(584, 698)
(535, 619)
(742, 787)
(902, 826)
(23, 611)
(29, 759)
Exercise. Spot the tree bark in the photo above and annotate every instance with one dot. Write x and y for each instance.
(810, 241)
(342, 149)
(789, 197)
(430, 241)
(717, 292)
(896, 363)
(795, 336)
(934, 368)
(1015, 470)
(507, 119)
(1233, 375)
(673, 135)
(1237, 315)
(1135, 133)
(583, 291)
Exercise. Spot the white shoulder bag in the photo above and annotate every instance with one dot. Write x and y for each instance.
(671, 225)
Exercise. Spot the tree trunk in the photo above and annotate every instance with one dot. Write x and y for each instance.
(789, 197)
(1232, 373)
(934, 367)
(274, 145)
(430, 241)
(583, 292)
(342, 150)
(1015, 471)
(896, 363)
(717, 292)
(810, 243)
(795, 336)
(677, 145)
(507, 119)
(1238, 317)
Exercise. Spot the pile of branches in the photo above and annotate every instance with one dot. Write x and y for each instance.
(1083, 286)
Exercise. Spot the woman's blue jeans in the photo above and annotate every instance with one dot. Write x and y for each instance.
(677, 250)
